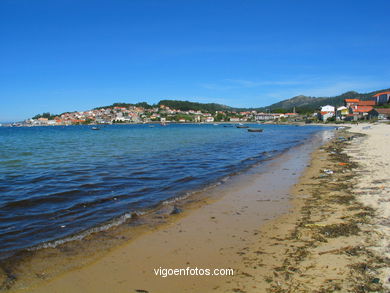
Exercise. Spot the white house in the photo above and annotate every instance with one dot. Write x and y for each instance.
(326, 112)
(327, 108)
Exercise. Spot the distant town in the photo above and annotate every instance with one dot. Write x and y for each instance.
(377, 107)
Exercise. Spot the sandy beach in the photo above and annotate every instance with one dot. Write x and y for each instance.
(194, 146)
(314, 222)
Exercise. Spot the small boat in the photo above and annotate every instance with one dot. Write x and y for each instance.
(242, 126)
(95, 128)
(255, 130)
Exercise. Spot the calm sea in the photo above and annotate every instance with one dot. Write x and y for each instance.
(58, 181)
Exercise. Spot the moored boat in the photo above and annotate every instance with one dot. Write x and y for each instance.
(255, 130)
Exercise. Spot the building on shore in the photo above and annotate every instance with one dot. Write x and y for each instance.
(326, 112)
(358, 109)
(379, 113)
(362, 111)
(267, 116)
(341, 113)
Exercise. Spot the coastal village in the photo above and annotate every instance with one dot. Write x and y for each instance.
(133, 114)
(375, 108)
(355, 109)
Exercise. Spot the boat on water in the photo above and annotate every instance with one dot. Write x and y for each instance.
(242, 126)
(95, 128)
(255, 130)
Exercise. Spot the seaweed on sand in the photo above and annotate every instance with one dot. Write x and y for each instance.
(340, 229)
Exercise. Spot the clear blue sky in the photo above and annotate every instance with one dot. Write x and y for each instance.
(65, 55)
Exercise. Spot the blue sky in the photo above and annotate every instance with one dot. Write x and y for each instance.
(65, 55)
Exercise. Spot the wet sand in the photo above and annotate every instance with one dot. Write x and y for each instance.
(214, 234)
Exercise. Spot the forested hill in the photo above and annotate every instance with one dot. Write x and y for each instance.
(177, 105)
(186, 105)
(301, 103)
(305, 103)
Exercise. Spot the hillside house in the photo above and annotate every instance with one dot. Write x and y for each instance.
(382, 98)
(326, 112)
(367, 103)
(359, 108)
(362, 111)
(351, 103)
(341, 112)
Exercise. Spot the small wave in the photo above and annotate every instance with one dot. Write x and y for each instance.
(40, 179)
(80, 236)
(11, 162)
(43, 199)
(185, 179)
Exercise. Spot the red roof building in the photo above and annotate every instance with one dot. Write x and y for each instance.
(363, 109)
(382, 98)
(380, 113)
(352, 100)
(382, 93)
(351, 103)
(367, 103)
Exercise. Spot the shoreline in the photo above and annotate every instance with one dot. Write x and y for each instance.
(336, 237)
(327, 232)
(122, 190)
(274, 208)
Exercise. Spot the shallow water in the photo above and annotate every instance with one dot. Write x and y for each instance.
(59, 181)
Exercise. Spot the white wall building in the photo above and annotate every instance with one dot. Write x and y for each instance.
(327, 108)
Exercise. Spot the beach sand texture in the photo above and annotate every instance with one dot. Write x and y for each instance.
(333, 238)
(373, 183)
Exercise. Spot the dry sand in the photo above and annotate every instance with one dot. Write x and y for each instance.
(333, 238)
(372, 187)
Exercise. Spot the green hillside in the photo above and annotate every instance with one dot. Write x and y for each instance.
(186, 105)
(302, 104)
(309, 104)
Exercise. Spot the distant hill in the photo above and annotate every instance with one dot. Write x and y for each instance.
(302, 104)
(186, 105)
(309, 104)
(178, 105)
